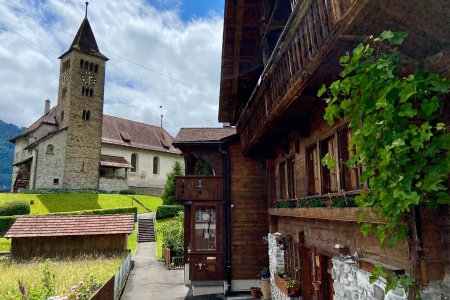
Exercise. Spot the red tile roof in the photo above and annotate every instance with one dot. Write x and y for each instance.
(203, 135)
(54, 225)
(118, 131)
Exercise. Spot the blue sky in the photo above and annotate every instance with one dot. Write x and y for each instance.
(189, 9)
(162, 52)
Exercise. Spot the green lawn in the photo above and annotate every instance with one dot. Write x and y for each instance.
(66, 273)
(51, 203)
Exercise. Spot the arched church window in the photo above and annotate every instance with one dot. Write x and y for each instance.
(156, 165)
(86, 115)
(50, 149)
(134, 163)
(86, 65)
(96, 68)
(81, 63)
(91, 92)
(91, 67)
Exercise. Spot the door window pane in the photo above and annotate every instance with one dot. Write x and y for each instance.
(205, 228)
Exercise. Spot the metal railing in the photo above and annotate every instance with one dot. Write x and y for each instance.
(121, 276)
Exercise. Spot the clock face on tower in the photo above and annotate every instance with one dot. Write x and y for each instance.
(88, 78)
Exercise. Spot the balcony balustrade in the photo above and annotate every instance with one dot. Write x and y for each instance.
(192, 188)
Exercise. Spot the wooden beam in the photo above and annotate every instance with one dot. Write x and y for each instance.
(237, 46)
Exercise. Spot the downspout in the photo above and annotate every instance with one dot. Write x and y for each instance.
(35, 168)
(226, 215)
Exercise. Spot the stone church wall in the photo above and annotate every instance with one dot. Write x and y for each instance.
(144, 177)
(50, 166)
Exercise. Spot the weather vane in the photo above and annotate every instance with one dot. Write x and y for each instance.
(161, 114)
(87, 3)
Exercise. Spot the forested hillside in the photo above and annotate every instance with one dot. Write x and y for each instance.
(6, 153)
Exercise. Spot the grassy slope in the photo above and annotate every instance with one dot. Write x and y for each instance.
(67, 273)
(50, 203)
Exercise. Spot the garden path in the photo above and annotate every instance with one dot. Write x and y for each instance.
(149, 279)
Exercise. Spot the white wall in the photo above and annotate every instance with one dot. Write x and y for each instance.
(144, 177)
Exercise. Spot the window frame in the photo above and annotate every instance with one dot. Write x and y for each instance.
(156, 167)
(134, 168)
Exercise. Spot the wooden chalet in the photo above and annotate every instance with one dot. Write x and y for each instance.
(62, 236)
(276, 55)
(225, 219)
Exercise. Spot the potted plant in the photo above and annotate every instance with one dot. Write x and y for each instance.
(255, 292)
(281, 241)
(293, 288)
(264, 274)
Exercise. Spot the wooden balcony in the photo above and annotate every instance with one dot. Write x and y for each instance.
(192, 188)
(312, 30)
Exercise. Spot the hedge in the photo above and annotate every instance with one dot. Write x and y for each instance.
(64, 191)
(168, 211)
(6, 222)
(12, 208)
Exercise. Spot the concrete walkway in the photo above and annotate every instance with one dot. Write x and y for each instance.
(150, 280)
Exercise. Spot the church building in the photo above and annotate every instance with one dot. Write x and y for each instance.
(75, 146)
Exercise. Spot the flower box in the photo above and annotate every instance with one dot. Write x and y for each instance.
(281, 284)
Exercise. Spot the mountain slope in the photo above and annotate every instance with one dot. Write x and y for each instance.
(6, 153)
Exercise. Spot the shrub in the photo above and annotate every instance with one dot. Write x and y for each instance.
(168, 211)
(106, 211)
(309, 203)
(64, 191)
(284, 204)
(127, 192)
(168, 194)
(173, 235)
(6, 223)
(343, 202)
(13, 208)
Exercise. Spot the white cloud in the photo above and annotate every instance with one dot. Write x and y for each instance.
(135, 30)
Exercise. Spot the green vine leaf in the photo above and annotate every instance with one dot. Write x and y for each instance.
(396, 133)
(328, 161)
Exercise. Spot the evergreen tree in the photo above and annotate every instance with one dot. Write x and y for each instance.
(168, 194)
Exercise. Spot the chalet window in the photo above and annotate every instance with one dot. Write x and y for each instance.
(291, 178)
(50, 149)
(312, 169)
(205, 228)
(329, 177)
(350, 177)
(155, 165)
(320, 179)
(282, 172)
(133, 163)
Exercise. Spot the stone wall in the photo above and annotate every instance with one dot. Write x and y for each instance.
(112, 184)
(276, 261)
(50, 164)
(351, 282)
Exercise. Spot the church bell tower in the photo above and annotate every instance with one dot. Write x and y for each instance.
(80, 108)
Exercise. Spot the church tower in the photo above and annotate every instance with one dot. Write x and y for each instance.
(80, 108)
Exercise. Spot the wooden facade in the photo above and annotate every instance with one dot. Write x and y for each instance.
(235, 208)
(68, 246)
(272, 68)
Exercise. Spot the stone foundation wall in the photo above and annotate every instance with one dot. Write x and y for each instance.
(276, 261)
(351, 282)
(112, 184)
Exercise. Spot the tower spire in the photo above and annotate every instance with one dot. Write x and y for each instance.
(85, 16)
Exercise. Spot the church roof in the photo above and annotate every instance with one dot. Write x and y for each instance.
(48, 119)
(85, 40)
(203, 135)
(122, 132)
(73, 225)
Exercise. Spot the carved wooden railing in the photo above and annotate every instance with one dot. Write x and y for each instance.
(206, 188)
(308, 36)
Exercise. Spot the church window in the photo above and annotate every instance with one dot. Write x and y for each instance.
(83, 91)
(86, 115)
(155, 165)
(91, 67)
(81, 63)
(62, 115)
(86, 65)
(133, 163)
(50, 149)
(55, 181)
(91, 92)
(96, 68)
